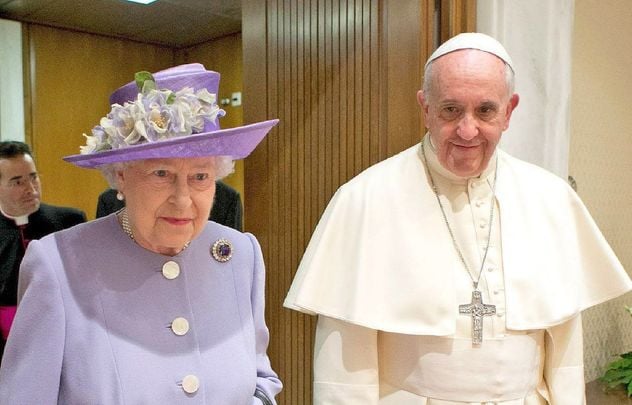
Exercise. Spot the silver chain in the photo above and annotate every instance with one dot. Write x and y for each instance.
(435, 189)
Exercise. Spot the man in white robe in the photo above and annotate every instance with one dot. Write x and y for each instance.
(453, 273)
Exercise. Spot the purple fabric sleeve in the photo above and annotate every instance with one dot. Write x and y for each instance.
(40, 338)
(267, 379)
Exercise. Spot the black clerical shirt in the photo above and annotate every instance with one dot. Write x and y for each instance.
(47, 219)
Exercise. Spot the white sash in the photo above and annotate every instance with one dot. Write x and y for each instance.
(452, 369)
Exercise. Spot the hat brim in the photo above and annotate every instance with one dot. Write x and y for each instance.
(237, 142)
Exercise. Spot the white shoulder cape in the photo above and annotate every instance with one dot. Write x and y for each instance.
(381, 256)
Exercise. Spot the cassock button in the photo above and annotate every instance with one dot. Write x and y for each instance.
(190, 384)
(170, 270)
(479, 203)
(482, 224)
(180, 326)
(490, 269)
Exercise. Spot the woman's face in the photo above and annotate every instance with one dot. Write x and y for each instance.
(168, 200)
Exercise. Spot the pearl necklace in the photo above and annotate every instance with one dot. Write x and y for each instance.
(124, 221)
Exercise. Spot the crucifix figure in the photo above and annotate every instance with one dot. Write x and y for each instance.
(477, 310)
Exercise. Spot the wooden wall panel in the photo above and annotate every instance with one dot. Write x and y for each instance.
(71, 77)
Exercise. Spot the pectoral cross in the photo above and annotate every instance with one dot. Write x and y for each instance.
(477, 310)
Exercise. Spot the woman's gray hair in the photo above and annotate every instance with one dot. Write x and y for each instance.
(109, 172)
(510, 79)
(224, 165)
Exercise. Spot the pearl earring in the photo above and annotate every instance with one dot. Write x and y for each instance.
(120, 196)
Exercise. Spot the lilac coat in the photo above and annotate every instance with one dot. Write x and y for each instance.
(94, 322)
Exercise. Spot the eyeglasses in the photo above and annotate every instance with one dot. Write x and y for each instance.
(22, 181)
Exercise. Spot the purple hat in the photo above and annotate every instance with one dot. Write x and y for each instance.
(170, 114)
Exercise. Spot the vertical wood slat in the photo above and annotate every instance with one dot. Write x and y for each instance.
(457, 16)
(341, 75)
(427, 42)
(402, 76)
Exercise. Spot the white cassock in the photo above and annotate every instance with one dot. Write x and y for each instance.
(382, 273)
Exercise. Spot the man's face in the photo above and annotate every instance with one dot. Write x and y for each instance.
(20, 186)
(467, 109)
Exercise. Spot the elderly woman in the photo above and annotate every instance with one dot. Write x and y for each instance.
(153, 304)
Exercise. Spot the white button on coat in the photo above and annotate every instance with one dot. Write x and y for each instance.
(170, 270)
(180, 326)
(190, 384)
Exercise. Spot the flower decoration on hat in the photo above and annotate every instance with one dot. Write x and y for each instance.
(172, 113)
(154, 115)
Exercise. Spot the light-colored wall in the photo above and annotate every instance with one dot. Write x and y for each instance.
(11, 93)
(601, 155)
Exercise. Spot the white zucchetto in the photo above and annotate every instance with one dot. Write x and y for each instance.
(472, 40)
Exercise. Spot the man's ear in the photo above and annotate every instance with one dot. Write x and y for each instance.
(511, 106)
(423, 102)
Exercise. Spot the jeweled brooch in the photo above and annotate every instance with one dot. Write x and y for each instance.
(222, 250)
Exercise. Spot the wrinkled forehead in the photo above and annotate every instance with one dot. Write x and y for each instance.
(470, 59)
(469, 65)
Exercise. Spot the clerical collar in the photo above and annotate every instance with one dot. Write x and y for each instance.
(437, 167)
(20, 220)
